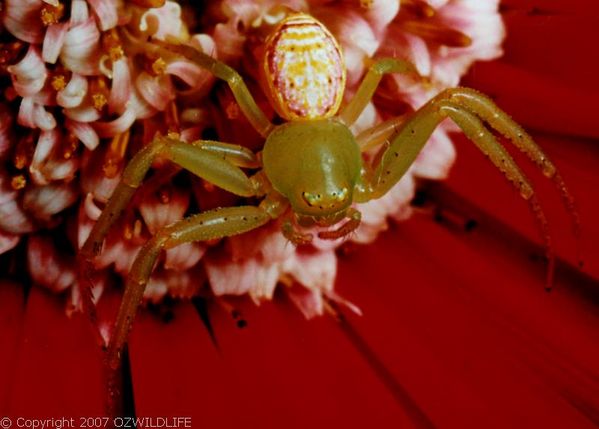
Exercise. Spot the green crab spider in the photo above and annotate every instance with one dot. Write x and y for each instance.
(311, 170)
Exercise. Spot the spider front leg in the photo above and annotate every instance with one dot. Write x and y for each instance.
(242, 95)
(466, 108)
(371, 81)
(214, 224)
(215, 162)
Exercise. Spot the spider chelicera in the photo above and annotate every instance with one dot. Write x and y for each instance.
(311, 169)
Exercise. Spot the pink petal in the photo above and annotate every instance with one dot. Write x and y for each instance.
(120, 92)
(156, 90)
(29, 75)
(184, 256)
(309, 302)
(227, 278)
(80, 50)
(83, 113)
(116, 126)
(12, 217)
(8, 241)
(53, 42)
(33, 115)
(84, 132)
(46, 201)
(73, 94)
(22, 19)
(315, 270)
(188, 72)
(106, 12)
(48, 267)
(79, 12)
(163, 22)
(46, 143)
(157, 214)
(13, 220)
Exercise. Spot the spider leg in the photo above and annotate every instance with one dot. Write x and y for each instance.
(214, 161)
(295, 236)
(415, 132)
(379, 134)
(218, 223)
(222, 71)
(484, 107)
(348, 227)
(364, 94)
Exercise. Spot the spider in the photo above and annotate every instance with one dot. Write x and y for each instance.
(311, 170)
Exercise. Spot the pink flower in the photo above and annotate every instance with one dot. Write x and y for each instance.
(92, 89)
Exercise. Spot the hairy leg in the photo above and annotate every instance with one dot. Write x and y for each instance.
(209, 225)
(484, 107)
(209, 160)
(222, 71)
(415, 132)
(373, 77)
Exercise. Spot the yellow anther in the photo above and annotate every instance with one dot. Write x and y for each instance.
(51, 14)
(99, 101)
(159, 66)
(59, 82)
(18, 182)
(112, 44)
(116, 52)
(99, 92)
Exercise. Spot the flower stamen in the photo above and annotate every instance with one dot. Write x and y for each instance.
(115, 155)
(149, 3)
(112, 45)
(438, 33)
(59, 81)
(24, 152)
(18, 182)
(99, 92)
(71, 145)
(133, 230)
(171, 117)
(51, 14)
(418, 7)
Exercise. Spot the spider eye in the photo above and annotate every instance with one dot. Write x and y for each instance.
(311, 199)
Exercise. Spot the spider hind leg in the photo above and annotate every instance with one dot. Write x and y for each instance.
(468, 109)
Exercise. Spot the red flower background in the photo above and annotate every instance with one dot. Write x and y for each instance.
(457, 330)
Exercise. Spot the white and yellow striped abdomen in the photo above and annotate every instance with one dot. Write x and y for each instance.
(304, 69)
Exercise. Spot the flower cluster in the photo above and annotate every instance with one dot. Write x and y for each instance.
(85, 88)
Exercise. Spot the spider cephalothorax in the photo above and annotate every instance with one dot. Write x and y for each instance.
(311, 170)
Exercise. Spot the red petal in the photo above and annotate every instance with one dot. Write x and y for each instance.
(59, 370)
(463, 323)
(12, 311)
(476, 180)
(278, 371)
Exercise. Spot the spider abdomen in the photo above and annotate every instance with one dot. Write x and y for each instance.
(303, 69)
